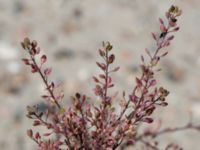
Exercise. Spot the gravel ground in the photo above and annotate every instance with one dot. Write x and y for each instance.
(70, 33)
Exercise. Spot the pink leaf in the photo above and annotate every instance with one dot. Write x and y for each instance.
(102, 76)
(133, 98)
(26, 61)
(36, 123)
(98, 90)
(147, 120)
(95, 79)
(56, 129)
(34, 68)
(101, 53)
(37, 135)
(167, 14)
(51, 86)
(30, 133)
(47, 134)
(152, 83)
(101, 65)
(163, 28)
(109, 79)
(47, 71)
(37, 50)
(142, 58)
(176, 29)
(111, 85)
(43, 59)
(164, 54)
(45, 96)
(154, 36)
(116, 69)
(163, 104)
(161, 21)
(138, 81)
(84, 98)
(170, 38)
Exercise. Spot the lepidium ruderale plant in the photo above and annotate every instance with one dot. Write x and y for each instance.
(86, 126)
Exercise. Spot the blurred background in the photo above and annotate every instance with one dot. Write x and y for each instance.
(70, 32)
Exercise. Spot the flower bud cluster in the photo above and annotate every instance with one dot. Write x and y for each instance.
(83, 126)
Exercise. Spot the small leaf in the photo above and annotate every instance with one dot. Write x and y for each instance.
(23, 45)
(111, 85)
(47, 71)
(170, 38)
(152, 83)
(43, 59)
(167, 14)
(138, 81)
(176, 29)
(30, 133)
(147, 120)
(163, 28)
(36, 123)
(154, 36)
(101, 53)
(124, 93)
(163, 104)
(109, 80)
(98, 91)
(37, 135)
(47, 134)
(142, 58)
(37, 50)
(34, 68)
(161, 21)
(116, 69)
(32, 51)
(95, 79)
(101, 65)
(102, 76)
(26, 61)
(133, 98)
(45, 96)
(164, 54)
